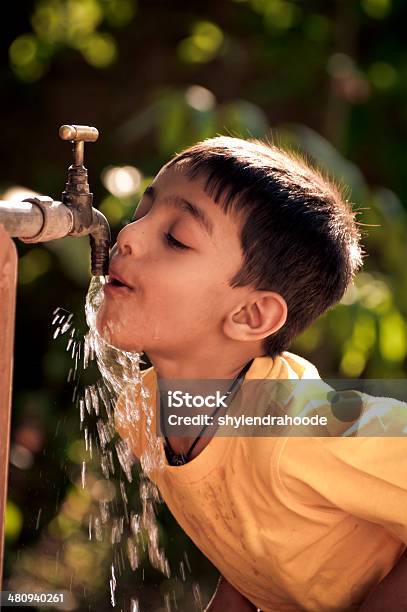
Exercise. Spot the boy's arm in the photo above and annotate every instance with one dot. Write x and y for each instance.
(391, 592)
(226, 597)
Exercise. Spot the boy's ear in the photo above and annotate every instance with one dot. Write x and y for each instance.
(263, 313)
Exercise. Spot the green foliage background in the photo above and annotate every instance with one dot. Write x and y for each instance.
(328, 78)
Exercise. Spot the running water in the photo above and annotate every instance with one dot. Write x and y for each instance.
(127, 531)
(120, 371)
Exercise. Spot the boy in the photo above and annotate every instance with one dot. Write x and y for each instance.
(236, 248)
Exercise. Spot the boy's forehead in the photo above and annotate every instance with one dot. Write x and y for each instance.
(175, 180)
(176, 177)
(173, 183)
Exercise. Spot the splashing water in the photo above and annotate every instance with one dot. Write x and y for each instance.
(120, 371)
(112, 587)
(134, 606)
(83, 474)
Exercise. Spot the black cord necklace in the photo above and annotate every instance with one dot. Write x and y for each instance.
(178, 459)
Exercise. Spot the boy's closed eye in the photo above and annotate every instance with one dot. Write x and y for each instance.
(142, 209)
(187, 212)
(174, 243)
(170, 240)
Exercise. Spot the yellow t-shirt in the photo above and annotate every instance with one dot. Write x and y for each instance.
(293, 523)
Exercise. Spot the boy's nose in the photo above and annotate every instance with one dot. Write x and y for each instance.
(131, 239)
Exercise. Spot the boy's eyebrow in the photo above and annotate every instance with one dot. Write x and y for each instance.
(192, 209)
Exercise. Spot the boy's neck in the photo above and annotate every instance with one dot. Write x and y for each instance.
(221, 368)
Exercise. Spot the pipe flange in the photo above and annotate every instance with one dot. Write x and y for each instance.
(57, 219)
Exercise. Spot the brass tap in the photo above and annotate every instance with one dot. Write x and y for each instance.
(40, 218)
(78, 134)
(77, 196)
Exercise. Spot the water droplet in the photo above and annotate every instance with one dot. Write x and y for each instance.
(123, 492)
(98, 529)
(104, 511)
(81, 410)
(187, 561)
(88, 400)
(167, 602)
(113, 588)
(132, 554)
(37, 524)
(134, 605)
(197, 595)
(65, 328)
(94, 398)
(83, 474)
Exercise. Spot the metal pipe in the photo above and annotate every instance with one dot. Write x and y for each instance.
(41, 219)
(21, 218)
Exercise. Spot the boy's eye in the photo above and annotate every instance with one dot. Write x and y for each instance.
(174, 243)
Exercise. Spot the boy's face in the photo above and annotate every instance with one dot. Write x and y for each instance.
(176, 259)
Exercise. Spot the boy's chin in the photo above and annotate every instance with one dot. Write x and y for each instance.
(114, 334)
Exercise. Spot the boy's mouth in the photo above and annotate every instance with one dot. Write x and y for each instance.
(117, 284)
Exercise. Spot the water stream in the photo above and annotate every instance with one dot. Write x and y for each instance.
(128, 531)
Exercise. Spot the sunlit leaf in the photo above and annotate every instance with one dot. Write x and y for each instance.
(14, 521)
(203, 44)
(364, 332)
(25, 58)
(66, 20)
(353, 362)
(378, 9)
(393, 337)
(119, 13)
(99, 50)
(382, 75)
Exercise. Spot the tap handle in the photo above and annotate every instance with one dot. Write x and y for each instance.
(78, 134)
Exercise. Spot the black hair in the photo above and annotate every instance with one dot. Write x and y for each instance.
(299, 235)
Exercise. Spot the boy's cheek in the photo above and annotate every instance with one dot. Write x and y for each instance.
(100, 319)
(120, 330)
(108, 323)
(104, 324)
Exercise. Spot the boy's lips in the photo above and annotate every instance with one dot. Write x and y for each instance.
(117, 284)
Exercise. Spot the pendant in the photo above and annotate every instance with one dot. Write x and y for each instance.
(178, 460)
(174, 459)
